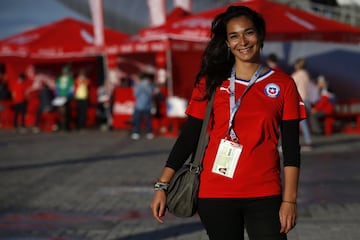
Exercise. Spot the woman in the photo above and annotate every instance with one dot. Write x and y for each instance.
(303, 83)
(247, 192)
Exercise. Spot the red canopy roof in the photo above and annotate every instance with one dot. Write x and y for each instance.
(63, 38)
(284, 23)
(176, 14)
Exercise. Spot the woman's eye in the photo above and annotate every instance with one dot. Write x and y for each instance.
(249, 33)
(233, 37)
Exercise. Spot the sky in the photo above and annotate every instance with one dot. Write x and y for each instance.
(20, 15)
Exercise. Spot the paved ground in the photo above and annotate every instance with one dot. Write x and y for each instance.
(98, 185)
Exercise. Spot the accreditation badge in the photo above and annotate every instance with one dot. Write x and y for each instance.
(227, 158)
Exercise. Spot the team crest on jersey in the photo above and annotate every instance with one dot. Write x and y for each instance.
(272, 90)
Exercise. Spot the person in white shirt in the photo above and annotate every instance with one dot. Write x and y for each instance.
(302, 81)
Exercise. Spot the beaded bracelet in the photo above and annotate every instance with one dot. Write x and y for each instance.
(291, 202)
(161, 186)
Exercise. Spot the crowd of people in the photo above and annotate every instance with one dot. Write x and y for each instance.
(36, 93)
(58, 94)
(67, 98)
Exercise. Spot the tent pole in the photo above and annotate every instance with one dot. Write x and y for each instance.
(169, 69)
(105, 65)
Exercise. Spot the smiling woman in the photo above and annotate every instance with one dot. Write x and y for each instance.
(244, 43)
(240, 183)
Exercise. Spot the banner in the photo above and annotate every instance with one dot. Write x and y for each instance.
(157, 12)
(98, 22)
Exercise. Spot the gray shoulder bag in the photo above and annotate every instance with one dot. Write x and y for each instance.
(182, 193)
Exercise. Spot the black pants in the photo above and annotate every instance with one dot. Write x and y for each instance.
(19, 109)
(65, 115)
(82, 106)
(226, 218)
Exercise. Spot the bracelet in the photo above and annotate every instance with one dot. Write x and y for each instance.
(291, 202)
(161, 186)
(159, 181)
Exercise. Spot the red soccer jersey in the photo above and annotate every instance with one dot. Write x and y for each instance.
(273, 97)
(18, 90)
(325, 104)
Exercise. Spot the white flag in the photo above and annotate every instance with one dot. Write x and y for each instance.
(98, 22)
(157, 12)
(184, 4)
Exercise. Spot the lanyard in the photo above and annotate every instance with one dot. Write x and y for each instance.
(234, 106)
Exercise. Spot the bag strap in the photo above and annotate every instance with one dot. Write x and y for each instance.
(204, 138)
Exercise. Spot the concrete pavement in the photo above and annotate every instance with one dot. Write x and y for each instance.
(98, 185)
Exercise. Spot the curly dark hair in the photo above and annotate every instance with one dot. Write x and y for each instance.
(217, 62)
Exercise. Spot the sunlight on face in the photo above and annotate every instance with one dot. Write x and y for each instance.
(242, 39)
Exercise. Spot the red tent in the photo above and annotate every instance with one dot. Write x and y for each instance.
(153, 46)
(55, 44)
(64, 38)
(184, 36)
(284, 23)
(175, 15)
(50, 47)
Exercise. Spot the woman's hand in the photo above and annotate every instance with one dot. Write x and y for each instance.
(158, 205)
(287, 215)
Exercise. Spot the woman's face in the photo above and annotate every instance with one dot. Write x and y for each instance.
(242, 39)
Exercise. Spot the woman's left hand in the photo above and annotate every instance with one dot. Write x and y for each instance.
(287, 216)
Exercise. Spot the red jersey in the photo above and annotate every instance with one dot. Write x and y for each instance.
(273, 98)
(325, 103)
(18, 91)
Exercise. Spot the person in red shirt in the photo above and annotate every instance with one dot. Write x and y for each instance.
(240, 183)
(18, 93)
(324, 106)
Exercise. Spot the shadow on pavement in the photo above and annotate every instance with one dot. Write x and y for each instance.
(165, 233)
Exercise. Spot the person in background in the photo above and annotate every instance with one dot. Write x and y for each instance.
(64, 89)
(143, 92)
(325, 106)
(253, 106)
(314, 94)
(81, 94)
(46, 96)
(5, 93)
(19, 92)
(33, 79)
(40, 94)
(104, 94)
(5, 97)
(302, 81)
(272, 62)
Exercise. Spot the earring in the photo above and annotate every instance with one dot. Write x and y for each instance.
(228, 53)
